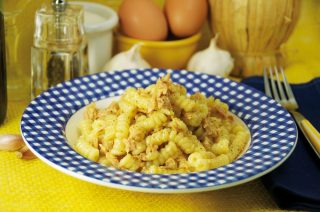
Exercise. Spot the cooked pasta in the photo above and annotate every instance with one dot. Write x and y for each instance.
(87, 150)
(161, 129)
(167, 152)
(159, 137)
(110, 127)
(129, 162)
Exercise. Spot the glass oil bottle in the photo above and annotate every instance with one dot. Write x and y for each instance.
(3, 81)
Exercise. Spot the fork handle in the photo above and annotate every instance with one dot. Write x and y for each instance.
(312, 133)
(309, 131)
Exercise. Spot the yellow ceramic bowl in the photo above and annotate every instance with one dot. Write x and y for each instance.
(172, 54)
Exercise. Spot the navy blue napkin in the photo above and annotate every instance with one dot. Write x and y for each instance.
(295, 185)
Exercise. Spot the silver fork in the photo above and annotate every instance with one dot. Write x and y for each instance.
(289, 102)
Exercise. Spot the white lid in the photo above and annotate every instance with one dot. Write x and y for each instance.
(105, 17)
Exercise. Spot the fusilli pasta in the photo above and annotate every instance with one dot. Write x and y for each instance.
(161, 129)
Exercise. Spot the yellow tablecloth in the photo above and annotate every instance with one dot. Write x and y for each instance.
(35, 186)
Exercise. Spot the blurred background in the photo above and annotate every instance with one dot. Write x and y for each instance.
(300, 51)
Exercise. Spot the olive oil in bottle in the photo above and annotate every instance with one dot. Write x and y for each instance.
(3, 80)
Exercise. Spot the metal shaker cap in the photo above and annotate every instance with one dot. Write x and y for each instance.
(59, 24)
(59, 5)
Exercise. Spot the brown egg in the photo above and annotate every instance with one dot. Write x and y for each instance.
(142, 19)
(186, 17)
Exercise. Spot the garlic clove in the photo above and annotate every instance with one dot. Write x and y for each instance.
(130, 59)
(134, 52)
(212, 60)
(25, 154)
(11, 142)
(137, 58)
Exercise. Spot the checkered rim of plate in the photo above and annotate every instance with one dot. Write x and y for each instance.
(273, 132)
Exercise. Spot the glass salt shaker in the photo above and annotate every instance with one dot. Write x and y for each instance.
(59, 51)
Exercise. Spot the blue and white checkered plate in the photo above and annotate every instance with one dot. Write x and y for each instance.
(273, 132)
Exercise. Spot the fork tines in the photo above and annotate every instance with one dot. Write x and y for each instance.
(280, 91)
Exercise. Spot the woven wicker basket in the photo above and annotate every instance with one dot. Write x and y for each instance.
(253, 30)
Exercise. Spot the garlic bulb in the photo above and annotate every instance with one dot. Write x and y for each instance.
(127, 60)
(212, 60)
